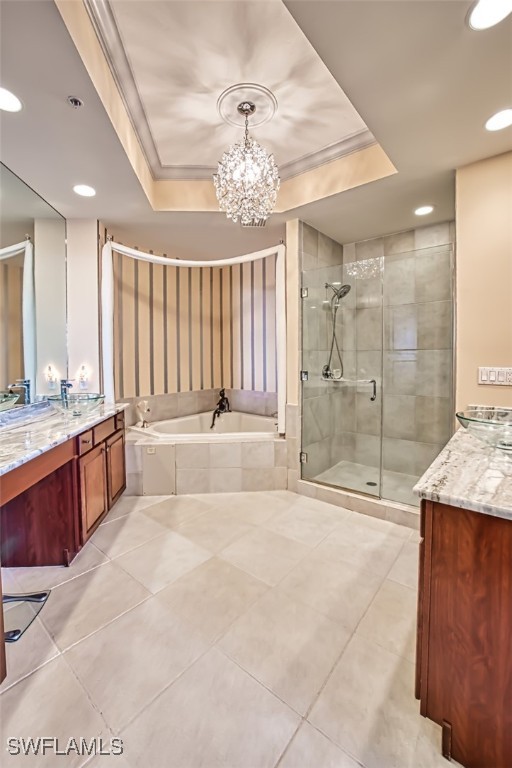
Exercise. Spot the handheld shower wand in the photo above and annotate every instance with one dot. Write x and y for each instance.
(338, 294)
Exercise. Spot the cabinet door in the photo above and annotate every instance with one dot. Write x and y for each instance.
(423, 601)
(93, 489)
(3, 666)
(116, 471)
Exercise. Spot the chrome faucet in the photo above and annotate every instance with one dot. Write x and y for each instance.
(23, 384)
(65, 384)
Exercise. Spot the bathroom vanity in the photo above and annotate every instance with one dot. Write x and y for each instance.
(57, 483)
(464, 631)
(58, 479)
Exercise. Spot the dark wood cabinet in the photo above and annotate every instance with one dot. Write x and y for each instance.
(102, 476)
(93, 490)
(39, 524)
(116, 469)
(3, 662)
(51, 505)
(464, 640)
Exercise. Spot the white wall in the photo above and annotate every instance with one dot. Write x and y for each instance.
(83, 301)
(484, 277)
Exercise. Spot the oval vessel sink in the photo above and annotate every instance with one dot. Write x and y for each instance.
(78, 404)
(490, 424)
(7, 400)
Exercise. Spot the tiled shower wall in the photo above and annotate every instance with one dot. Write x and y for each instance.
(395, 322)
(323, 403)
(418, 363)
(415, 326)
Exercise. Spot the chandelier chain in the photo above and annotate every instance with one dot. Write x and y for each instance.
(247, 131)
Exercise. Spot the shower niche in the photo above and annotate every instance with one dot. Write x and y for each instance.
(377, 331)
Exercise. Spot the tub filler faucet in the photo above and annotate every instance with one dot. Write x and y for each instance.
(222, 407)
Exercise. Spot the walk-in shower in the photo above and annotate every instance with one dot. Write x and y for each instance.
(334, 304)
(377, 359)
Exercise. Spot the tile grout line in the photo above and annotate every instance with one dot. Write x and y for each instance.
(36, 669)
(107, 623)
(210, 644)
(352, 636)
(75, 576)
(216, 640)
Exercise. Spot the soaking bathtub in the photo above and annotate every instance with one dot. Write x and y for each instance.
(233, 426)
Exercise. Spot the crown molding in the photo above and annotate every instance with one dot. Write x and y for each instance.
(346, 146)
(104, 23)
(354, 168)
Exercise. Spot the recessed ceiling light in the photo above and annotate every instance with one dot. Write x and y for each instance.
(75, 102)
(424, 210)
(8, 101)
(500, 120)
(487, 13)
(84, 190)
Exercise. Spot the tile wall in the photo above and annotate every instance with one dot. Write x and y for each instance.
(396, 327)
(417, 354)
(322, 261)
(215, 467)
(187, 403)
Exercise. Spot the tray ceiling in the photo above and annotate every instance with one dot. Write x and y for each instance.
(173, 60)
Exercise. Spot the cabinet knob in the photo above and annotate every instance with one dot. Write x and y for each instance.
(85, 441)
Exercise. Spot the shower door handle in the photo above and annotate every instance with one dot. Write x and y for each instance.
(374, 389)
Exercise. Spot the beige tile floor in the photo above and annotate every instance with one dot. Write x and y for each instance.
(252, 630)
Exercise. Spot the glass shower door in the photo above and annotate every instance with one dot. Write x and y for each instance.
(342, 364)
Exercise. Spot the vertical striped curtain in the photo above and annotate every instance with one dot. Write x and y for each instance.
(179, 329)
(11, 323)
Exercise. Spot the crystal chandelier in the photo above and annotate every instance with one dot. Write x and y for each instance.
(247, 178)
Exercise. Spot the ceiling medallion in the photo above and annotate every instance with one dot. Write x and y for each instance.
(247, 179)
(263, 99)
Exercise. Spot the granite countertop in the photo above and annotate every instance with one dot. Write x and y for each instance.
(470, 474)
(48, 428)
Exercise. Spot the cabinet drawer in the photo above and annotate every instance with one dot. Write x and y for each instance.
(85, 442)
(120, 420)
(104, 430)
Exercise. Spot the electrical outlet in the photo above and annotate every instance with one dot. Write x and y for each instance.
(497, 376)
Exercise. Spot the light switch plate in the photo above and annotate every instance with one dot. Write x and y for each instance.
(496, 376)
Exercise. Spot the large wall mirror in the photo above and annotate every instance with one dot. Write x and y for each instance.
(32, 289)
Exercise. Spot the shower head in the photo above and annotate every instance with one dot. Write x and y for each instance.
(340, 292)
